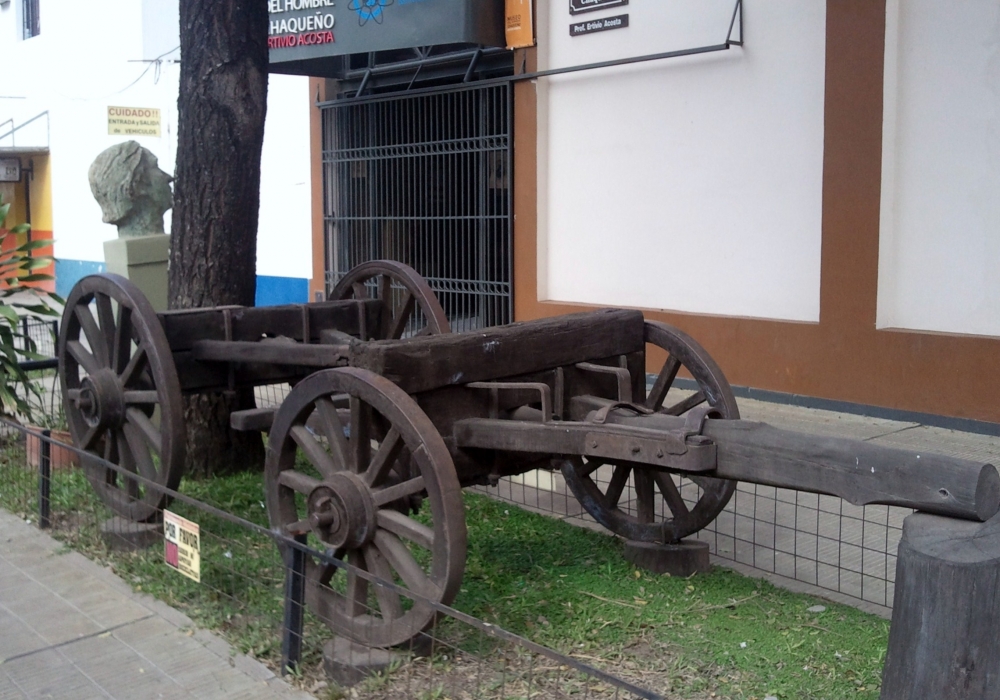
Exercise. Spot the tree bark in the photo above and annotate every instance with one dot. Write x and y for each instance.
(213, 252)
(943, 640)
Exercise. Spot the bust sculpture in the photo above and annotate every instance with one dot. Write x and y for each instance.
(132, 190)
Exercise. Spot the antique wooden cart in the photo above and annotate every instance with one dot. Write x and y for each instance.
(390, 415)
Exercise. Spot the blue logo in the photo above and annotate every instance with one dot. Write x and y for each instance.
(369, 9)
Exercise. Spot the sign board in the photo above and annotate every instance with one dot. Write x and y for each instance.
(182, 545)
(598, 25)
(304, 35)
(578, 6)
(133, 121)
(582, 32)
(519, 24)
(10, 169)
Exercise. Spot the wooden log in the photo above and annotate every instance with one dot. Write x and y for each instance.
(943, 642)
(185, 327)
(432, 362)
(859, 472)
(265, 353)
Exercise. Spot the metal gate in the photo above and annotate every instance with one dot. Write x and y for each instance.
(425, 179)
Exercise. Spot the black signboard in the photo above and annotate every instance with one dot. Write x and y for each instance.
(304, 34)
(578, 6)
(598, 25)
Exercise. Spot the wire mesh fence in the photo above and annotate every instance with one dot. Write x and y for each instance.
(233, 573)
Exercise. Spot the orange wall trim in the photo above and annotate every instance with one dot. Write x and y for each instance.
(843, 357)
(317, 93)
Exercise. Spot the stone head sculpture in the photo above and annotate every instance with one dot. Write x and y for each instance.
(132, 190)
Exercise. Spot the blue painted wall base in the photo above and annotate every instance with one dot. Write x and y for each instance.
(271, 291)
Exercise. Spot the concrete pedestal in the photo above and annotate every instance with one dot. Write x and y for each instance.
(679, 559)
(349, 663)
(123, 535)
(143, 260)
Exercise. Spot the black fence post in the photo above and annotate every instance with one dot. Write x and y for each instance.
(295, 594)
(44, 478)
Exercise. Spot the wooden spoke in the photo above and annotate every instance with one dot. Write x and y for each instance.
(122, 343)
(388, 600)
(333, 429)
(79, 353)
(361, 447)
(385, 290)
(664, 380)
(385, 458)
(590, 467)
(140, 452)
(687, 404)
(403, 316)
(394, 493)
(145, 426)
(314, 452)
(402, 561)
(141, 397)
(98, 345)
(643, 480)
(297, 481)
(357, 587)
(359, 290)
(618, 480)
(106, 317)
(90, 437)
(127, 463)
(110, 445)
(135, 365)
(672, 496)
(407, 528)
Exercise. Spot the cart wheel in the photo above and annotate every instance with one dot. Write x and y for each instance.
(413, 308)
(688, 503)
(121, 393)
(363, 471)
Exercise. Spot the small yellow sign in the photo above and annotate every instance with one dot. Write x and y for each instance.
(182, 545)
(519, 24)
(133, 121)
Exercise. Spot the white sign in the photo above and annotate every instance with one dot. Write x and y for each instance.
(182, 545)
(10, 169)
(133, 121)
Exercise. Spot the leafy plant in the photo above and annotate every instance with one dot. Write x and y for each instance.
(19, 267)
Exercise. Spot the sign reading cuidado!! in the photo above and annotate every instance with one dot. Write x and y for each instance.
(133, 121)
(305, 37)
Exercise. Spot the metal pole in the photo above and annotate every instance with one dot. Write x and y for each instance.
(44, 479)
(295, 599)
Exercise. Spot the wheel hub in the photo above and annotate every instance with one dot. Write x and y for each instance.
(101, 401)
(342, 512)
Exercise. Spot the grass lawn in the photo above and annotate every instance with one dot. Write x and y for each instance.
(562, 586)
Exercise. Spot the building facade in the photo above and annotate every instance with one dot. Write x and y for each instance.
(78, 78)
(806, 188)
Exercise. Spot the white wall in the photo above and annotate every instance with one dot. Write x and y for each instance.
(690, 184)
(86, 60)
(284, 238)
(939, 252)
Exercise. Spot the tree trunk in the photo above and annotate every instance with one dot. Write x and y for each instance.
(213, 252)
(943, 642)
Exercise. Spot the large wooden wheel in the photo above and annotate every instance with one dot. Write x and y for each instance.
(351, 480)
(686, 504)
(121, 393)
(412, 309)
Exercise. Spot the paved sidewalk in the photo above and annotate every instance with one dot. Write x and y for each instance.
(71, 629)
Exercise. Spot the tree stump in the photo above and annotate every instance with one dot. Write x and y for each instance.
(943, 642)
